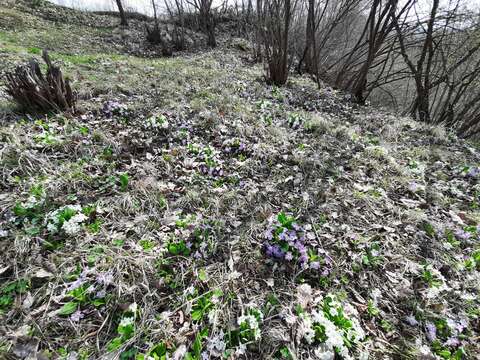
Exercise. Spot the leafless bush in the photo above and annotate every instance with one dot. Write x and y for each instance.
(154, 35)
(176, 11)
(426, 64)
(275, 21)
(327, 32)
(206, 18)
(442, 54)
(33, 91)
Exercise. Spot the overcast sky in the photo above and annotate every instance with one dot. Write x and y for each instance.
(139, 5)
(144, 6)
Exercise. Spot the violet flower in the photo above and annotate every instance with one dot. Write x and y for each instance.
(269, 250)
(462, 235)
(105, 278)
(77, 316)
(303, 259)
(410, 319)
(325, 272)
(79, 282)
(431, 331)
(278, 252)
(453, 342)
(292, 235)
(269, 234)
(473, 172)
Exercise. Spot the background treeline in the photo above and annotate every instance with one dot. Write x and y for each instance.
(415, 56)
(419, 57)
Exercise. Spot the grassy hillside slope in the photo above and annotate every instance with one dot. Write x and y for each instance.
(148, 225)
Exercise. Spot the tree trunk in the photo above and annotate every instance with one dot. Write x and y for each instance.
(258, 32)
(423, 105)
(284, 66)
(207, 22)
(123, 17)
(310, 38)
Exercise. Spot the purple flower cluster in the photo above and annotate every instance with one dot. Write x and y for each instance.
(103, 280)
(285, 240)
(215, 172)
(111, 108)
(463, 235)
(452, 342)
(82, 279)
(286, 244)
(456, 328)
(234, 147)
(77, 316)
(473, 172)
(431, 331)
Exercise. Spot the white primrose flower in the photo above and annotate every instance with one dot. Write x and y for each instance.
(357, 329)
(52, 228)
(343, 351)
(250, 320)
(252, 323)
(126, 321)
(333, 311)
(241, 349)
(71, 227)
(133, 308)
(189, 291)
(216, 345)
(76, 208)
(80, 217)
(305, 329)
(324, 354)
(334, 335)
(31, 202)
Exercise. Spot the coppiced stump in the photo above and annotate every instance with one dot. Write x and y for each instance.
(34, 91)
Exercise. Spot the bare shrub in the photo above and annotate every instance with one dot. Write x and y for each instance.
(33, 91)
(206, 19)
(275, 26)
